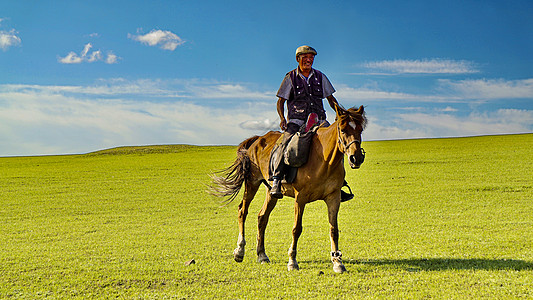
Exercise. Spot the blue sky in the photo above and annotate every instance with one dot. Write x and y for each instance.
(79, 76)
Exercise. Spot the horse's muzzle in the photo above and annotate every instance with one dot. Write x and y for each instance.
(355, 161)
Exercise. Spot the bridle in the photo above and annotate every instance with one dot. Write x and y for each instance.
(347, 145)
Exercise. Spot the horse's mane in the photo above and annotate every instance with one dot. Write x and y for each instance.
(356, 114)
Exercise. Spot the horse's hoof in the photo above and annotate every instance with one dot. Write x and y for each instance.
(263, 258)
(238, 255)
(293, 266)
(339, 268)
(336, 259)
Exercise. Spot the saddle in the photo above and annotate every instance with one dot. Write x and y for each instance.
(297, 150)
(293, 149)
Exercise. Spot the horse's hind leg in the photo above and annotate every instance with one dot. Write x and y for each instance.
(249, 193)
(262, 221)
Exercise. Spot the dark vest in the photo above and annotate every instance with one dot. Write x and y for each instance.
(305, 98)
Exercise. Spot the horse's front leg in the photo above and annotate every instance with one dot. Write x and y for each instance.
(333, 204)
(249, 193)
(296, 232)
(262, 221)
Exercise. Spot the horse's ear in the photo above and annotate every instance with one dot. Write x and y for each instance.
(339, 110)
(361, 110)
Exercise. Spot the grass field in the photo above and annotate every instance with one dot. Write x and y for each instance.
(435, 218)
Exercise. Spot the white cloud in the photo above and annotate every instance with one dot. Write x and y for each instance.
(9, 39)
(148, 88)
(260, 125)
(376, 131)
(348, 93)
(424, 66)
(108, 88)
(86, 49)
(409, 108)
(447, 91)
(166, 40)
(111, 58)
(36, 119)
(448, 109)
(71, 58)
(235, 91)
(95, 56)
(427, 125)
(87, 56)
(490, 88)
(502, 121)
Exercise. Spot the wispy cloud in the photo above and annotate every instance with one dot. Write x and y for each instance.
(349, 93)
(431, 125)
(446, 91)
(9, 39)
(37, 119)
(111, 58)
(502, 121)
(260, 125)
(447, 109)
(490, 88)
(230, 91)
(165, 39)
(46, 121)
(192, 89)
(423, 66)
(87, 56)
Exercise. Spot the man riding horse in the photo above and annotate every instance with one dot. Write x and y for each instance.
(321, 177)
(303, 89)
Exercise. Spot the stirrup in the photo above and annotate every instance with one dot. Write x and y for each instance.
(346, 196)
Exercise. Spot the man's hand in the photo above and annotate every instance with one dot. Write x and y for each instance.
(283, 124)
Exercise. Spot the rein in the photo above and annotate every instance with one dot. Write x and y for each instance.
(346, 146)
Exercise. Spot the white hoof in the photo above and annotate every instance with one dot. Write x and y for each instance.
(338, 268)
(336, 259)
(238, 254)
(292, 266)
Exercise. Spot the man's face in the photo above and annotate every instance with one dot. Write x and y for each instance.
(305, 61)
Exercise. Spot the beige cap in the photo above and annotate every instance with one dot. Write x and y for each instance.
(304, 50)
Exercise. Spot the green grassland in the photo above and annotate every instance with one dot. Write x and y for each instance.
(432, 218)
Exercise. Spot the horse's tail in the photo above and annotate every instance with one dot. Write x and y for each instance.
(230, 183)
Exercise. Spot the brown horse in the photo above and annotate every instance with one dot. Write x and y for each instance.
(320, 178)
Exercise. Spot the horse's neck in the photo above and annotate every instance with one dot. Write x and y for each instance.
(328, 138)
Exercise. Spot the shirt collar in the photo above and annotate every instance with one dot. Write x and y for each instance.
(300, 74)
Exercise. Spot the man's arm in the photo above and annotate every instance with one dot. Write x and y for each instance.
(281, 113)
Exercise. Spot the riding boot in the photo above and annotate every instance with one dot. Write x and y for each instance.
(275, 191)
(346, 196)
(277, 165)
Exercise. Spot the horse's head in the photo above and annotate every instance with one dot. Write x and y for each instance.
(350, 124)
